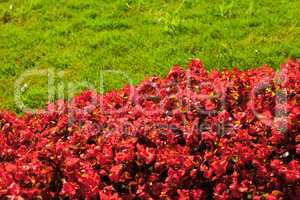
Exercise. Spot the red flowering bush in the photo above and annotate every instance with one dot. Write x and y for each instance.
(193, 135)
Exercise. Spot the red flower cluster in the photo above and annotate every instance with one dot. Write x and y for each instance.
(193, 135)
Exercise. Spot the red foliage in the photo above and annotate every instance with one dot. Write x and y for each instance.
(193, 135)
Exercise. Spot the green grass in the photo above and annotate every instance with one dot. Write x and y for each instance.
(130, 39)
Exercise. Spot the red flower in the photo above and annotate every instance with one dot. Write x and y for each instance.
(69, 189)
(192, 135)
(145, 154)
(115, 173)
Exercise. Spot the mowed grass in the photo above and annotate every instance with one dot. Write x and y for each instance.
(104, 44)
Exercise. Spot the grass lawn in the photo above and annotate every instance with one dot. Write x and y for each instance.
(85, 43)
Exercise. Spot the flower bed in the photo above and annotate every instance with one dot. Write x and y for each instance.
(193, 135)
